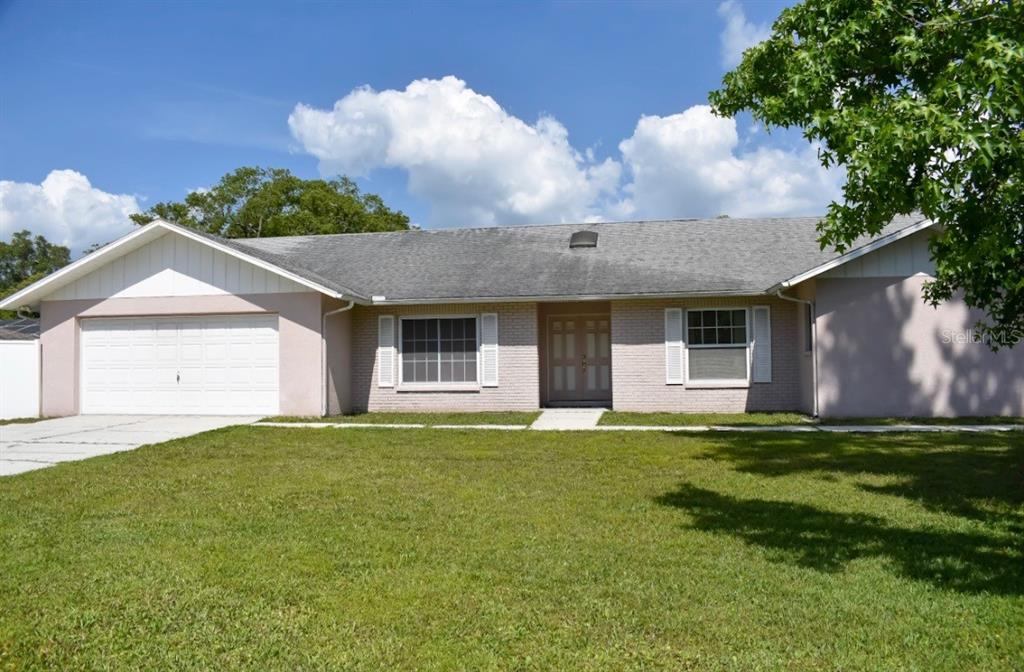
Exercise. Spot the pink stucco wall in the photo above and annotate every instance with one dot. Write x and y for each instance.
(805, 359)
(338, 336)
(298, 333)
(883, 352)
(638, 361)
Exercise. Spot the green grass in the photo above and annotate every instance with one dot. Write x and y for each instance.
(967, 420)
(19, 421)
(429, 419)
(278, 548)
(690, 419)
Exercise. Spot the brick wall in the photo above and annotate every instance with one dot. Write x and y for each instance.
(638, 361)
(518, 366)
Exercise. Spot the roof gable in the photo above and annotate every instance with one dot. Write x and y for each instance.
(174, 265)
(857, 252)
(127, 267)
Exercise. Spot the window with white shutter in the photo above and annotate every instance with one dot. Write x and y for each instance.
(489, 349)
(673, 346)
(761, 366)
(386, 351)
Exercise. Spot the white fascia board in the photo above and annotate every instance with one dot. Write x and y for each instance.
(852, 254)
(77, 269)
(380, 301)
(132, 241)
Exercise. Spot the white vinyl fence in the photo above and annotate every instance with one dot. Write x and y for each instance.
(19, 379)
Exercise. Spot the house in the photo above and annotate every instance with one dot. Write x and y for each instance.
(687, 315)
(19, 329)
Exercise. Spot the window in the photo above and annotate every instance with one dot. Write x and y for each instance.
(439, 350)
(717, 346)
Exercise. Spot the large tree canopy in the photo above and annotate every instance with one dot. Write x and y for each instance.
(26, 259)
(922, 102)
(258, 202)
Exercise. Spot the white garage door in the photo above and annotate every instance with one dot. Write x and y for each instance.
(214, 365)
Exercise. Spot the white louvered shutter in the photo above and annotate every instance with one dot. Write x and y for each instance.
(386, 351)
(489, 349)
(761, 366)
(673, 346)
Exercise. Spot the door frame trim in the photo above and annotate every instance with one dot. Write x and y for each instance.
(601, 403)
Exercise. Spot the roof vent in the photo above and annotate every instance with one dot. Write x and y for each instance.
(583, 239)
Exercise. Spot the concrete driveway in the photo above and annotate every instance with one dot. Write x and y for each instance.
(24, 447)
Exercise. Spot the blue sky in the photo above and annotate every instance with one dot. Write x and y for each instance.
(476, 114)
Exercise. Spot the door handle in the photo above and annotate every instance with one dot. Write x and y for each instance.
(177, 378)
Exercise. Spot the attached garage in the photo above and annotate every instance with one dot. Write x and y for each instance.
(170, 321)
(212, 365)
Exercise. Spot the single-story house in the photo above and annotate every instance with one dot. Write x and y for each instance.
(686, 315)
(19, 329)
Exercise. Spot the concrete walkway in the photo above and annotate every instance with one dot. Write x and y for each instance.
(587, 421)
(24, 447)
(568, 418)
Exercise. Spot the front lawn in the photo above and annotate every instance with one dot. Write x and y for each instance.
(706, 419)
(291, 548)
(429, 419)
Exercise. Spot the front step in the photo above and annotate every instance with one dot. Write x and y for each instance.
(568, 418)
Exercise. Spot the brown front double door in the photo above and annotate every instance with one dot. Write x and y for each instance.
(579, 358)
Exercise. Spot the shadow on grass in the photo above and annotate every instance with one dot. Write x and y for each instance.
(826, 541)
(977, 476)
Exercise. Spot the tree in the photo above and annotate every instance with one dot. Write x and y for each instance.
(922, 102)
(258, 202)
(25, 259)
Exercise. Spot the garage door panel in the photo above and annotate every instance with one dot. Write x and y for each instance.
(187, 365)
(215, 352)
(264, 376)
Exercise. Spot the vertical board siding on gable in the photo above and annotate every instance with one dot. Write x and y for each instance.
(518, 367)
(175, 266)
(901, 259)
(638, 361)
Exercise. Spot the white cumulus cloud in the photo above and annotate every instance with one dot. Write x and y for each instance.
(472, 161)
(66, 209)
(477, 165)
(739, 34)
(690, 164)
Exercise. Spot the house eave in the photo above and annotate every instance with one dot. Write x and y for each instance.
(556, 298)
(851, 255)
(31, 296)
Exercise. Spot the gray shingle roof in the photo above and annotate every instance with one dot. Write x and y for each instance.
(680, 257)
(24, 329)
